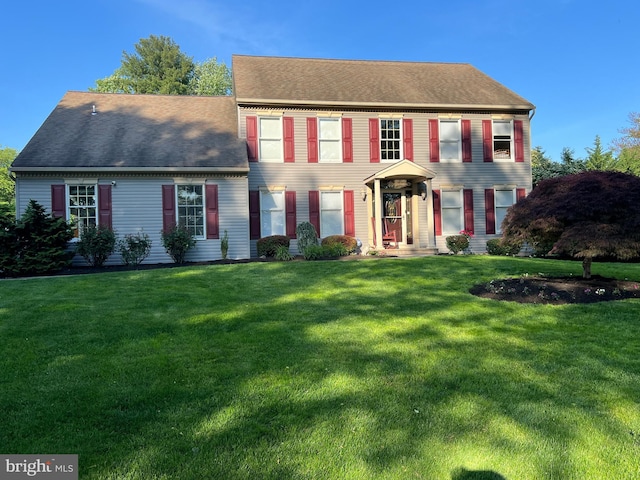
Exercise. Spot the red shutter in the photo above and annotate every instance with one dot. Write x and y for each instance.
(314, 209)
(347, 141)
(407, 134)
(213, 222)
(466, 140)
(58, 203)
(349, 214)
(520, 194)
(487, 140)
(434, 141)
(252, 138)
(289, 145)
(104, 205)
(374, 141)
(312, 140)
(489, 211)
(518, 136)
(290, 213)
(254, 214)
(437, 212)
(168, 207)
(467, 197)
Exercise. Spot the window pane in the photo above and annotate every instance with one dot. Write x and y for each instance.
(332, 200)
(501, 128)
(451, 199)
(449, 151)
(330, 129)
(451, 220)
(270, 128)
(331, 223)
(330, 151)
(272, 201)
(270, 150)
(504, 198)
(272, 213)
(449, 131)
(500, 214)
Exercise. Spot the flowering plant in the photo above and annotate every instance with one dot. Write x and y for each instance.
(466, 233)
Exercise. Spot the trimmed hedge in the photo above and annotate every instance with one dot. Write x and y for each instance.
(268, 246)
(496, 246)
(350, 243)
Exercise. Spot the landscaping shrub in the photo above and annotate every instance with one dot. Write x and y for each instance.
(134, 248)
(34, 244)
(283, 254)
(319, 252)
(306, 235)
(267, 246)
(350, 243)
(177, 241)
(96, 244)
(497, 246)
(224, 245)
(457, 243)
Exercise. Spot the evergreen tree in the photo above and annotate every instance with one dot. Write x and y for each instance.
(598, 158)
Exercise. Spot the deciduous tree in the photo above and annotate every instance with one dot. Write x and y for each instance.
(7, 185)
(587, 215)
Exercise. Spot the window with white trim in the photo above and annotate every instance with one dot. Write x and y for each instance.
(272, 213)
(450, 141)
(330, 140)
(502, 140)
(452, 212)
(82, 205)
(390, 139)
(270, 139)
(331, 213)
(503, 200)
(190, 211)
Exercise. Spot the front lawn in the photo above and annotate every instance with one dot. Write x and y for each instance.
(382, 368)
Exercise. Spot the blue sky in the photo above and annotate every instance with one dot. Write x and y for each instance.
(577, 61)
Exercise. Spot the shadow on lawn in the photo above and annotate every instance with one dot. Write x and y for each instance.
(284, 388)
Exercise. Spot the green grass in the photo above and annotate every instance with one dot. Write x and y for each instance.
(384, 368)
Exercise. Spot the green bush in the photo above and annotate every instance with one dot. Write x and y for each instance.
(497, 246)
(350, 243)
(177, 241)
(224, 245)
(306, 235)
(319, 252)
(96, 244)
(457, 243)
(267, 246)
(34, 244)
(134, 248)
(283, 254)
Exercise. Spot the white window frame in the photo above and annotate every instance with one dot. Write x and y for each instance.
(264, 137)
(384, 151)
(502, 138)
(502, 207)
(326, 211)
(333, 141)
(279, 210)
(451, 193)
(81, 221)
(191, 222)
(457, 142)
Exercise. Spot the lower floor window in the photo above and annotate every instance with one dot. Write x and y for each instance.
(272, 221)
(503, 200)
(451, 212)
(191, 209)
(331, 213)
(82, 205)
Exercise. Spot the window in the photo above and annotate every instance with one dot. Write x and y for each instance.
(83, 206)
(452, 213)
(270, 138)
(450, 140)
(390, 139)
(272, 213)
(503, 200)
(330, 140)
(191, 208)
(502, 140)
(331, 213)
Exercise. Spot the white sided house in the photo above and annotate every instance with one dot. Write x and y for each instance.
(397, 154)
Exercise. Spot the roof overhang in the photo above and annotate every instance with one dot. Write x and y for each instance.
(217, 170)
(405, 169)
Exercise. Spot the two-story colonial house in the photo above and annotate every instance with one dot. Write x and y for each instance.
(397, 154)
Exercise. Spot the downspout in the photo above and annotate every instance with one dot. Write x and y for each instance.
(533, 114)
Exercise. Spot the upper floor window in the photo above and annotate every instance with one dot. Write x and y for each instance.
(270, 139)
(82, 206)
(452, 212)
(330, 140)
(390, 139)
(191, 208)
(502, 140)
(450, 140)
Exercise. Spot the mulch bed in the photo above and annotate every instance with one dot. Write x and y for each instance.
(557, 290)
